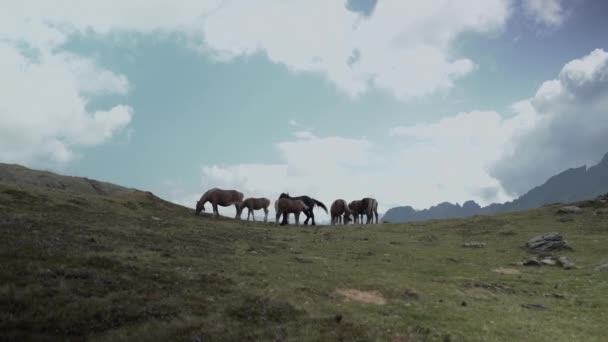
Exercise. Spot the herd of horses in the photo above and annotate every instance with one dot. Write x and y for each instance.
(340, 211)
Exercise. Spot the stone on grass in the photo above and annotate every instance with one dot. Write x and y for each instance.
(565, 262)
(474, 244)
(548, 242)
(601, 268)
(569, 209)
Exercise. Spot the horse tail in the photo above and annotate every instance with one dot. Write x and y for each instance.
(320, 204)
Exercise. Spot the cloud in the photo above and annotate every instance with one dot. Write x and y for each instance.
(549, 13)
(570, 130)
(402, 47)
(43, 114)
(397, 46)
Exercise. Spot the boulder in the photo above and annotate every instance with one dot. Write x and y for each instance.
(570, 209)
(565, 262)
(601, 268)
(547, 242)
(533, 262)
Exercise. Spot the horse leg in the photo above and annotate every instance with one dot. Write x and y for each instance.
(265, 214)
(312, 215)
(278, 215)
(285, 219)
(253, 214)
(297, 215)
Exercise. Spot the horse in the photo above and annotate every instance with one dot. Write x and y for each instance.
(253, 204)
(339, 209)
(356, 210)
(286, 206)
(224, 198)
(310, 203)
(370, 209)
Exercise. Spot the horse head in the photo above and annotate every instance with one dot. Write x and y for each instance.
(200, 206)
(284, 195)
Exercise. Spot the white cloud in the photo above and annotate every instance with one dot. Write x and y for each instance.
(546, 12)
(403, 47)
(570, 130)
(43, 114)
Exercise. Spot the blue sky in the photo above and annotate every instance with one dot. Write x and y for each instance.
(410, 103)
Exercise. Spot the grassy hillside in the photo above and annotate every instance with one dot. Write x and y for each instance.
(133, 267)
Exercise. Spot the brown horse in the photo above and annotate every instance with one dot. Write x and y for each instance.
(339, 209)
(370, 209)
(356, 210)
(253, 204)
(224, 198)
(286, 206)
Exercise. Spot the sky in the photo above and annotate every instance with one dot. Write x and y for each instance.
(412, 103)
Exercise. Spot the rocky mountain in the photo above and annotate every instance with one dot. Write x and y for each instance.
(569, 186)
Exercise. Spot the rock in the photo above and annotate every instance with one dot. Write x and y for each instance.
(537, 307)
(303, 260)
(532, 262)
(565, 262)
(554, 295)
(548, 261)
(548, 242)
(474, 244)
(456, 260)
(569, 209)
(601, 268)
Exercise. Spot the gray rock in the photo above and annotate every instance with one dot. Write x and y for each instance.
(548, 261)
(569, 209)
(547, 242)
(532, 262)
(601, 268)
(565, 262)
(536, 307)
(456, 260)
(474, 244)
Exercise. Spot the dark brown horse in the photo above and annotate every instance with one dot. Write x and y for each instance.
(253, 204)
(339, 210)
(222, 198)
(310, 203)
(356, 209)
(370, 209)
(286, 206)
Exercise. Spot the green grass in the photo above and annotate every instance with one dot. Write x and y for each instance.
(133, 267)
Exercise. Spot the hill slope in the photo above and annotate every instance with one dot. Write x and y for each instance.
(133, 267)
(569, 186)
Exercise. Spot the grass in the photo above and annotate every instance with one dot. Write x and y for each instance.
(134, 267)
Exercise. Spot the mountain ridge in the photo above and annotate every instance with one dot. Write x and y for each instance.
(571, 185)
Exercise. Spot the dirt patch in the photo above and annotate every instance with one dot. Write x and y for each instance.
(368, 297)
(503, 270)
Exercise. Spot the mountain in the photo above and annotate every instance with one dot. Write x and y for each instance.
(572, 185)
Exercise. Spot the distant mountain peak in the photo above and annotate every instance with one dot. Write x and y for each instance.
(571, 185)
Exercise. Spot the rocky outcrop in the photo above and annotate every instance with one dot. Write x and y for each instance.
(547, 242)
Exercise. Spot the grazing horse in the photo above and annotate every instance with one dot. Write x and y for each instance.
(224, 198)
(310, 203)
(339, 209)
(356, 209)
(370, 209)
(253, 204)
(286, 206)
